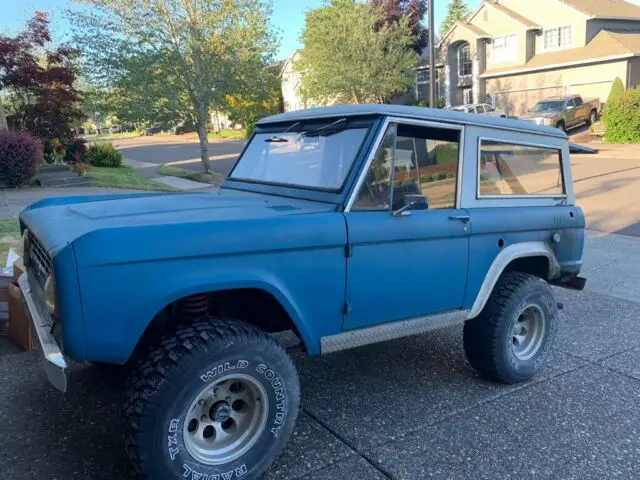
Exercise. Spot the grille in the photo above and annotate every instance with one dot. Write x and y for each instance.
(39, 259)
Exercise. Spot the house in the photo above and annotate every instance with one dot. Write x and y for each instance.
(513, 53)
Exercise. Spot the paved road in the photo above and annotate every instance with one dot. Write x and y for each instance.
(182, 150)
(406, 409)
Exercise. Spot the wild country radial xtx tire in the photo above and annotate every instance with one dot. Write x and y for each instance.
(215, 399)
(510, 340)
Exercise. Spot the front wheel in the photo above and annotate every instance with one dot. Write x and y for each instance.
(561, 126)
(510, 340)
(214, 399)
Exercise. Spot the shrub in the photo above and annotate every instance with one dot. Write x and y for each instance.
(20, 157)
(617, 91)
(622, 119)
(104, 155)
(76, 151)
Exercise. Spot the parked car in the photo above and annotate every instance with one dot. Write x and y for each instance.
(564, 113)
(347, 225)
(152, 130)
(184, 127)
(115, 129)
(480, 109)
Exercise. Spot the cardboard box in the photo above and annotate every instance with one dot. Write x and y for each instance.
(20, 330)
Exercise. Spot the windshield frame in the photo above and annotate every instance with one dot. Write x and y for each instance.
(562, 103)
(331, 195)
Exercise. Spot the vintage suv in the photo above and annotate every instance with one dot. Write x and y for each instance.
(348, 225)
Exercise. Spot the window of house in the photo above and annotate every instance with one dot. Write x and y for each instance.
(465, 66)
(412, 160)
(504, 48)
(559, 37)
(511, 169)
(422, 85)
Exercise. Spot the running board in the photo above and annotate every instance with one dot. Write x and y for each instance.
(391, 331)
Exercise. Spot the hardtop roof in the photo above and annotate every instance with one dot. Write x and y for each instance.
(418, 113)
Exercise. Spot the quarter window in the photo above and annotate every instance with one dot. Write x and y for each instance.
(412, 161)
(509, 169)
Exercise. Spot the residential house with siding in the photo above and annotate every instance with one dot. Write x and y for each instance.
(514, 53)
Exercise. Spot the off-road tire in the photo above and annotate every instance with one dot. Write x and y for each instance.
(593, 118)
(164, 382)
(488, 340)
(561, 126)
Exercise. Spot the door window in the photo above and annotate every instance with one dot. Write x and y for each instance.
(578, 101)
(419, 169)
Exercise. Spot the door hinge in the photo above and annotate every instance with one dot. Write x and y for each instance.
(346, 308)
(348, 250)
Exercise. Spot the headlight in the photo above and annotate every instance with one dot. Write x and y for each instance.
(50, 294)
(549, 122)
(25, 247)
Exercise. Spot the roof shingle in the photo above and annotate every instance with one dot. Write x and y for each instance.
(605, 8)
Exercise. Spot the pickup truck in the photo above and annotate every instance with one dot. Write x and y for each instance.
(346, 225)
(564, 113)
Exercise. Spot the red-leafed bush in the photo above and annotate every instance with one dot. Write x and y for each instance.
(20, 157)
(76, 151)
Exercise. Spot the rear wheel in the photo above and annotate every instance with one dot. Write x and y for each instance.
(510, 340)
(593, 118)
(215, 399)
(561, 125)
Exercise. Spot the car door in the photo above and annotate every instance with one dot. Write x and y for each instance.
(570, 113)
(408, 241)
(582, 112)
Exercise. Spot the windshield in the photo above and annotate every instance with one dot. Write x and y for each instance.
(319, 158)
(547, 106)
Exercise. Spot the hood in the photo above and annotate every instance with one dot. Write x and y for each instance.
(57, 222)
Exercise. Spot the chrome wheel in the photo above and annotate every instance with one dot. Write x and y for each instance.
(528, 333)
(225, 419)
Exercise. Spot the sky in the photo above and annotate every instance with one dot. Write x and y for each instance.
(288, 17)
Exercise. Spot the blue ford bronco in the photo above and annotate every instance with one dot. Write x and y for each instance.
(347, 225)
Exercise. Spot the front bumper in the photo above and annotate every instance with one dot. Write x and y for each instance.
(54, 364)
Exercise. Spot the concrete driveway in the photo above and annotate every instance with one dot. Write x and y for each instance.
(406, 409)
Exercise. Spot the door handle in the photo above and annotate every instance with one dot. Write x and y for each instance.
(461, 218)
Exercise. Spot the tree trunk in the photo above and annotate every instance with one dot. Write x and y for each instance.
(201, 113)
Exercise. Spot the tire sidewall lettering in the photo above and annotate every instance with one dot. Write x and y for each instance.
(175, 452)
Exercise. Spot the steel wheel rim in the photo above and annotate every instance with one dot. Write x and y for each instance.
(225, 419)
(528, 332)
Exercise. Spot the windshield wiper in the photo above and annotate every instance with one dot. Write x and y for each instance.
(276, 139)
(322, 130)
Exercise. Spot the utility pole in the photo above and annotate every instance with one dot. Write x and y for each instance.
(432, 55)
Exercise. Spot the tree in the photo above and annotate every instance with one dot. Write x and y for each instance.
(393, 11)
(199, 49)
(263, 99)
(456, 10)
(39, 82)
(617, 91)
(350, 57)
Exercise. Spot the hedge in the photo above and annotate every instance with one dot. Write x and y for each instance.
(622, 118)
(20, 157)
(104, 155)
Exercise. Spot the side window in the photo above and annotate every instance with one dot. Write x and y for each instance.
(375, 191)
(509, 169)
(578, 101)
(423, 162)
(480, 109)
(570, 104)
(427, 165)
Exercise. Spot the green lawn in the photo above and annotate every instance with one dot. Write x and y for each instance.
(9, 237)
(110, 136)
(212, 178)
(124, 177)
(228, 135)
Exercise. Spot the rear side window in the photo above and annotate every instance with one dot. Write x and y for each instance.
(578, 101)
(508, 169)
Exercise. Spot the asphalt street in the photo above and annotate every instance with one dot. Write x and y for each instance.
(406, 409)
